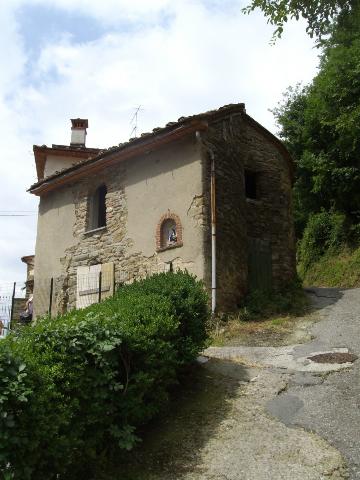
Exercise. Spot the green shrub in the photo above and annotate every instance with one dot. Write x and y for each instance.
(189, 303)
(74, 389)
(324, 232)
(341, 270)
(290, 300)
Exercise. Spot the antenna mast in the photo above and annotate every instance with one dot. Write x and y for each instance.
(134, 121)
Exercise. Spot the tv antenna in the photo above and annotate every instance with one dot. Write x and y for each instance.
(134, 121)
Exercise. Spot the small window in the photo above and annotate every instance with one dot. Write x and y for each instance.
(97, 213)
(168, 233)
(251, 185)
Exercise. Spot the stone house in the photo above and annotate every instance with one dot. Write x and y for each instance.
(210, 193)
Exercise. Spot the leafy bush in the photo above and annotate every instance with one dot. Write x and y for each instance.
(189, 303)
(290, 300)
(74, 389)
(324, 232)
(341, 270)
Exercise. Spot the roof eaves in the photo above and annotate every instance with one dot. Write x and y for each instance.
(170, 127)
(41, 151)
(114, 154)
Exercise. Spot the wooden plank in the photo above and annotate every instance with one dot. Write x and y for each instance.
(87, 289)
(108, 275)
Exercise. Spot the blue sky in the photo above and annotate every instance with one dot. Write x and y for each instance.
(55, 22)
(100, 59)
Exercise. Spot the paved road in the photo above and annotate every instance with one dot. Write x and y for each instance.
(332, 408)
(266, 413)
(319, 398)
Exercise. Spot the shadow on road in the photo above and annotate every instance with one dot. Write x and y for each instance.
(321, 297)
(172, 444)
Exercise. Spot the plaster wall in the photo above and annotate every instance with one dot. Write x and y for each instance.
(139, 192)
(56, 163)
(56, 219)
(166, 180)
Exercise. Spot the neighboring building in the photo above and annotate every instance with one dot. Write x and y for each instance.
(30, 264)
(148, 205)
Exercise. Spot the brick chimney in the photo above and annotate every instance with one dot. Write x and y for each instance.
(78, 132)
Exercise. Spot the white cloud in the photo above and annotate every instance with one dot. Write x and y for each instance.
(198, 59)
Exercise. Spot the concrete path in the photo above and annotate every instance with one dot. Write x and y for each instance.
(305, 416)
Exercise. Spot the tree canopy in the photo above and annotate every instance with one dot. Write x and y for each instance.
(320, 124)
(318, 14)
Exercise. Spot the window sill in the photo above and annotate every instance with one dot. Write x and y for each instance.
(252, 201)
(169, 247)
(94, 231)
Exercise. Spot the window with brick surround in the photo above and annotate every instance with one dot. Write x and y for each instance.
(97, 208)
(168, 232)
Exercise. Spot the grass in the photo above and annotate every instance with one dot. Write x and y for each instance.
(340, 270)
(265, 318)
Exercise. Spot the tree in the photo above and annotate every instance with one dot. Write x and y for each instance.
(319, 14)
(320, 124)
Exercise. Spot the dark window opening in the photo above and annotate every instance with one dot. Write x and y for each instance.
(98, 208)
(250, 185)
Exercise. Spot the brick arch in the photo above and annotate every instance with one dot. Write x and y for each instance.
(179, 231)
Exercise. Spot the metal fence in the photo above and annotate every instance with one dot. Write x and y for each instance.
(93, 288)
(57, 295)
(12, 302)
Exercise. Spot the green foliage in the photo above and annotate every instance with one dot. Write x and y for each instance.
(318, 13)
(290, 300)
(320, 125)
(189, 302)
(75, 388)
(341, 270)
(325, 233)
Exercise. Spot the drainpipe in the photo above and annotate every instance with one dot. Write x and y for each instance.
(213, 226)
(213, 234)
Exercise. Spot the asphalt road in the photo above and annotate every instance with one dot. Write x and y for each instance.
(323, 399)
(266, 412)
(332, 408)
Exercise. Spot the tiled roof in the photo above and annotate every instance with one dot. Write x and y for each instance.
(182, 122)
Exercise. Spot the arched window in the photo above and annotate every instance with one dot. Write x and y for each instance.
(97, 208)
(168, 232)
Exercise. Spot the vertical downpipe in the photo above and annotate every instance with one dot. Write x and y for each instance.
(51, 295)
(213, 234)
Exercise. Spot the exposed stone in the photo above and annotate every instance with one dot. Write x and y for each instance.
(241, 222)
(238, 146)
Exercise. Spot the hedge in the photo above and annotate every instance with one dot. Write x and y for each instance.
(75, 389)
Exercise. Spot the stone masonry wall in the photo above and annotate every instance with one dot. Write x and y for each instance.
(238, 146)
(270, 216)
(113, 243)
(224, 140)
(108, 244)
